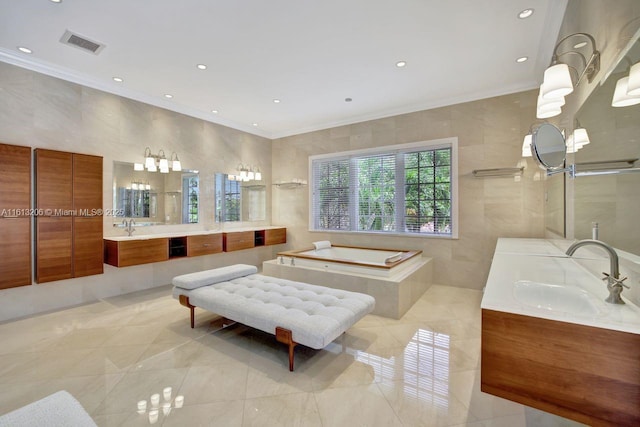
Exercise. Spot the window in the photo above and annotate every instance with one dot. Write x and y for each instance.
(406, 189)
(228, 199)
(190, 201)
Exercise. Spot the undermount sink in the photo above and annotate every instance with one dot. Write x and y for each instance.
(557, 298)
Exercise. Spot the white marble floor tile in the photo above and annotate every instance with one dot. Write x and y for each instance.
(297, 409)
(420, 370)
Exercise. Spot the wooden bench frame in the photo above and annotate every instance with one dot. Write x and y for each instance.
(283, 335)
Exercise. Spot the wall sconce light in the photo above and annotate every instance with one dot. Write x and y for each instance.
(248, 173)
(627, 90)
(557, 78)
(153, 162)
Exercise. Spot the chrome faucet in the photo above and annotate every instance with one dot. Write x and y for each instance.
(614, 283)
(129, 226)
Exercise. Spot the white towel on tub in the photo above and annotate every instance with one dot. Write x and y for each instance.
(322, 244)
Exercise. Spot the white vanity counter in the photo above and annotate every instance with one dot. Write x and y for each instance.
(187, 233)
(562, 290)
(161, 235)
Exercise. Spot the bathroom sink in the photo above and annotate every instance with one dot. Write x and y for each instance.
(557, 298)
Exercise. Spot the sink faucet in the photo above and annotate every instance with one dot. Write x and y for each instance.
(129, 226)
(614, 283)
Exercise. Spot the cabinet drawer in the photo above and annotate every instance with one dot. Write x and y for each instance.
(204, 244)
(135, 252)
(275, 236)
(238, 240)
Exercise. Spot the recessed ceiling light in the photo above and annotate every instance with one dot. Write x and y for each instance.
(579, 45)
(24, 49)
(118, 79)
(201, 67)
(401, 64)
(168, 95)
(348, 100)
(522, 59)
(56, 1)
(525, 13)
(255, 124)
(214, 111)
(276, 101)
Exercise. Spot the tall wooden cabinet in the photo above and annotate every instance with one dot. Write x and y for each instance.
(69, 221)
(15, 216)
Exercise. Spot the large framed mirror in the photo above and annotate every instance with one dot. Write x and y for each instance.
(154, 198)
(612, 200)
(238, 201)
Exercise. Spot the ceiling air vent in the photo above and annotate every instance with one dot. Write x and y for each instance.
(81, 42)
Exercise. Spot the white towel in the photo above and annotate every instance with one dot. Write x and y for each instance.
(323, 244)
(393, 258)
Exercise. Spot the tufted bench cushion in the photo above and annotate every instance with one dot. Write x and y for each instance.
(296, 312)
(316, 315)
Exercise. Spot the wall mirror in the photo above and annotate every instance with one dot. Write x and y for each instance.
(239, 200)
(154, 198)
(548, 146)
(611, 200)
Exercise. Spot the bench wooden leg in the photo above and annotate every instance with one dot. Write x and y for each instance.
(286, 336)
(184, 300)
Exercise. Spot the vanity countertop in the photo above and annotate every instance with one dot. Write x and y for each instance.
(541, 261)
(187, 233)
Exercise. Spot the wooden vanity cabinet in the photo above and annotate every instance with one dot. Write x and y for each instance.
(69, 221)
(15, 218)
(125, 253)
(238, 240)
(204, 244)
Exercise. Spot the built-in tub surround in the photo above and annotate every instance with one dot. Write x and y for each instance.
(394, 294)
(375, 262)
(576, 357)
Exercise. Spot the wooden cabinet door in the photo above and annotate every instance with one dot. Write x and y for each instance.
(275, 236)
(54, 181)
(134, 252)
(54, 241)
(204, 244)
(15, 252)
(88, 253)
(237, 240)
(15, 179)
(15, 217)
(87, 183)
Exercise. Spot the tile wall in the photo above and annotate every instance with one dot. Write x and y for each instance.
(490, 134)
(45, 112)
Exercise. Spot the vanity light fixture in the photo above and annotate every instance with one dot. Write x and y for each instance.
(153, 162)
(580, 137)
(247, 173)
(633, 87)
(558, 82)
(623, 95)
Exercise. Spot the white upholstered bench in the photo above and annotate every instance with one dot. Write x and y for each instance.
(297, 313)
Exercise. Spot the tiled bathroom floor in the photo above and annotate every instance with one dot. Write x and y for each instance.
(422, 370)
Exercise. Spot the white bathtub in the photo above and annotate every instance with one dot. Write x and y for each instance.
(375, 262)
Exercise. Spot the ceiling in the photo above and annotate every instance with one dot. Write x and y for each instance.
(309, 55)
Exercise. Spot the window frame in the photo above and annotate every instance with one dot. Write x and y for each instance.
(435, 144)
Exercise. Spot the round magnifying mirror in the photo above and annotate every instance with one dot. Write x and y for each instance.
(548, 146)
